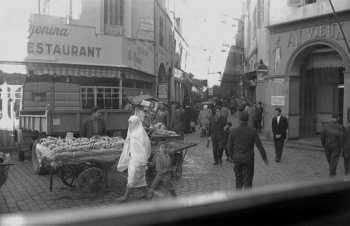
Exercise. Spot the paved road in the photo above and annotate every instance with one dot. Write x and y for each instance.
(25, 191)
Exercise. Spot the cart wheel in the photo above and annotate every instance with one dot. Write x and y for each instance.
(38, 168)
(67, 175)
(91, 180)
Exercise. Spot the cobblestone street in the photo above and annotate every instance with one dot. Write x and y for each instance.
(25, 191)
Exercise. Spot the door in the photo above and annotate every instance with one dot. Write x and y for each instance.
(308, 104)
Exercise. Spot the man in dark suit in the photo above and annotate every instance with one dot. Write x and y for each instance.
(279, 130)
(240, 144)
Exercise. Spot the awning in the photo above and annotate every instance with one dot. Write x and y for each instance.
(72, 70)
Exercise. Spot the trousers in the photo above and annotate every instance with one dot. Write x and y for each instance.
(217, 150)
(244, 173)
(164, 180)
(279, 143)
(332, 156)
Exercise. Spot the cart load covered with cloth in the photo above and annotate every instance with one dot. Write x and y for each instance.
(78, 161)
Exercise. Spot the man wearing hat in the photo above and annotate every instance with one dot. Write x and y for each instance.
(240, 144)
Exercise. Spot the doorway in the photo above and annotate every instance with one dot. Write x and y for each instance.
(321, 98)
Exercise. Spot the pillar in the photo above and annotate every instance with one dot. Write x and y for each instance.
(346, 116)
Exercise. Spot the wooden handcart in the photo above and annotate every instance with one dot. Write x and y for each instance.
(88, 174)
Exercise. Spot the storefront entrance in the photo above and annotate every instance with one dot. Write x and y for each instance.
(321, 98)
(316, 89)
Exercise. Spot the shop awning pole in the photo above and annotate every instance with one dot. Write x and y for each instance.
(340, 26)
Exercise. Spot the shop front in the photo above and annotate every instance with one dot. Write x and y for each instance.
(309, 75)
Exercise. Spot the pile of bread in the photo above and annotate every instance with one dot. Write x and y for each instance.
(59, 145)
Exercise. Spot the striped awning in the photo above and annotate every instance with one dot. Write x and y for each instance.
(72, 70)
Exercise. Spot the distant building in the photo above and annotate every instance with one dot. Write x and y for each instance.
(307, 59)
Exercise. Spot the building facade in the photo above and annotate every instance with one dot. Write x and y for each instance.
(133, 46)
(308, 64)
(256, 45)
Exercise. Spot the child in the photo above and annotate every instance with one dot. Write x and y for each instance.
(227, 130)
(163, 166)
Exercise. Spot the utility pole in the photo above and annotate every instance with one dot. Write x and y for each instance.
(340, 26)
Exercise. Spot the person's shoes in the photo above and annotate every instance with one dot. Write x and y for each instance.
(277, 160)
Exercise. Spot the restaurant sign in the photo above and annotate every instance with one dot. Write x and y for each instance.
(49, 39)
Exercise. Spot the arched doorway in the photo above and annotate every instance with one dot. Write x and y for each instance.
(316, 80)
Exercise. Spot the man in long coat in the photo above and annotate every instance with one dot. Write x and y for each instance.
(217, 133)
(240, 144)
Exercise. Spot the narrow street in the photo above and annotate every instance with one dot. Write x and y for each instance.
(25, 191)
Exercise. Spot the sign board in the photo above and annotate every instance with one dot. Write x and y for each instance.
(163, 91)
(49, 39)
(278, 100)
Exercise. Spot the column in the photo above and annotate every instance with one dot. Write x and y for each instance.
(346, 117)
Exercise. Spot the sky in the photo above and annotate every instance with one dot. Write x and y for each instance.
(208, 25)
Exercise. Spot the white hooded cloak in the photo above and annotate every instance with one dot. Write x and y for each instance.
(136, 152)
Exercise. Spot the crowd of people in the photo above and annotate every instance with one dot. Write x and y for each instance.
(235, 142)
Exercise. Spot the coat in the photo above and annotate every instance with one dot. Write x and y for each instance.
(204, 117)
(241, 143)
(217, 132)
(280, 128)
(332, 136)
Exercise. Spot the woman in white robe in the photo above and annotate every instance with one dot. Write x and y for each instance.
(135, 155)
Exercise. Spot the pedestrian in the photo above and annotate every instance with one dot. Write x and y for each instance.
(240, 144)
(332, 140)
(227, 131)
(135, 155)
(279, 130)
(95, 125)
(217, 125)
(346, 150)
(178, 123)
(225, 111)
(187, 119)
(204, 120)
(259, 116)
(162, 163)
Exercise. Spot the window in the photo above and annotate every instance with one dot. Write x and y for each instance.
(161, 31)
(101, 97)
(114, 12)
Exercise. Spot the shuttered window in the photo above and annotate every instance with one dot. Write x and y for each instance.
(114, 12)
